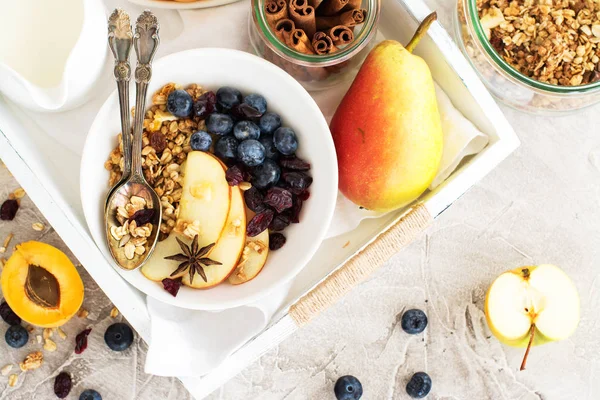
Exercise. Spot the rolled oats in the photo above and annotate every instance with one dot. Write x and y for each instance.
(38, 226)
(12, 380)
(61, 333)
(19, 193)
(83, 313)
(114, 312)
(6, 369)
(49, 345)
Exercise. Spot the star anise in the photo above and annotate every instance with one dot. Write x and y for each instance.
(193, 259)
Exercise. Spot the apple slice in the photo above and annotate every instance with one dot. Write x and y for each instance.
(157, 268)
(254, 257)
(206, 197)
(530, 306)
(228, 248)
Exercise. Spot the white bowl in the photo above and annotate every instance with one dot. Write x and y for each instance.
(178, 5)
(213, 68)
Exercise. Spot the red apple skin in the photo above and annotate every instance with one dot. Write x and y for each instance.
(387, 156)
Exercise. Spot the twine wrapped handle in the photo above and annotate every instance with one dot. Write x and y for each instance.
(359, 267)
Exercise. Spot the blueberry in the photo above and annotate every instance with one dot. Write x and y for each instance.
(118, 337)
(219, 124)
(90, 394)
(285, 141)
(256, 101)
(228, 97)
(414, 321)
(201, 141)
(270, 150)
(226, 148)
(179, 103)
(251, 152)
(419, 385)
(246, 130)
(269, 122)
(266, 175)
(16, 336)
(348, 388)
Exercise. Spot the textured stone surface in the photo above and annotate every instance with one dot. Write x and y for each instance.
(541, 205)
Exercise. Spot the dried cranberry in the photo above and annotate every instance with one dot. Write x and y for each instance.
(304, 195)
(172, 285)
(259, 222)
(295, 163)
(276, 241)
(143, 216)
(158, 141)
(254, 199)
(278, 198)
(9, 210)
(297, 181)
(234, 176)
(8, 315)
(280, 222)
(81, 341)
(62, 385)
(205, 105)
(245, 111)
(296, 208)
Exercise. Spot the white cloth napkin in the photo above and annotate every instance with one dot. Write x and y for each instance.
(461, 139)
(192, 343)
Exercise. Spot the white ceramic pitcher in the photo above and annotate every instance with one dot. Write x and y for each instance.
(52, 52)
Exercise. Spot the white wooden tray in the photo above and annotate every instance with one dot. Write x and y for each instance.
(49, 172)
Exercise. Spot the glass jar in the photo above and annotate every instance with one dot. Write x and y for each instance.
(314, 72)
(505, 82)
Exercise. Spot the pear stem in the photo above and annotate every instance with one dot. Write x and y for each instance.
(421, 30)
(531, 335)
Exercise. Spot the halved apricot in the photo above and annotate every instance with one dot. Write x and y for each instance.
(41, 284)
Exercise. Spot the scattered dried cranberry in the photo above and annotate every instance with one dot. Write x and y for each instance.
(280, 222)
(295, 163)
(8, 315)
(172, 285)
(297, 181)
(143, 216)
(81, 341)
(9, 210)
(234, 176)
(62, 385)
(296, 208)
(205, 105)
(278, 198)
(158, 141)
(304, 195)
(254, 199)
(276, 241)
(259, 222)
(245, 111)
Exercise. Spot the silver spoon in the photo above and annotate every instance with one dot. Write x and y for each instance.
(145, 42)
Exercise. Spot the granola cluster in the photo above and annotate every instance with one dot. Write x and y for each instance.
(165, 144)
(552, 41)
(131, 237)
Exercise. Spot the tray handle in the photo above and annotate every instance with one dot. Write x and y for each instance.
(361, 265)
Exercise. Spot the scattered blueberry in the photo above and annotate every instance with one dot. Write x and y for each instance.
(251, 152)
(419, 385)
(201, 141)
(285, 141)
(228, 97)
(90, 394)
(414, 321)
(266, 175)
(226, 148)
(270, 150)
(118, 337)
(348, 388)
(256, 101)
(16, 336)
(179, 103)
(220, 124)
(246, 130)
(269, 122)
(205, 105)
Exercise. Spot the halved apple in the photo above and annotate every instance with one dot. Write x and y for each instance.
(157, 268)
(229, 247)
(254, 257)
(532, 305)
(206, 197)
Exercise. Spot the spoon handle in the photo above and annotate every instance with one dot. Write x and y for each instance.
(120, 40)
(145, 42)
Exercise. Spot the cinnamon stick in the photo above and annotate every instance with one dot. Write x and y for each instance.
(300, 42)
(341, 35)
(283, 29)
(323, 44)
(352, 5)
(276, 10)
(332, 7)
(303, 16)
(348, 18)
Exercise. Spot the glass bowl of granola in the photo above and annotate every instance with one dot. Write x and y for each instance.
(237, 221)
(539, 56)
